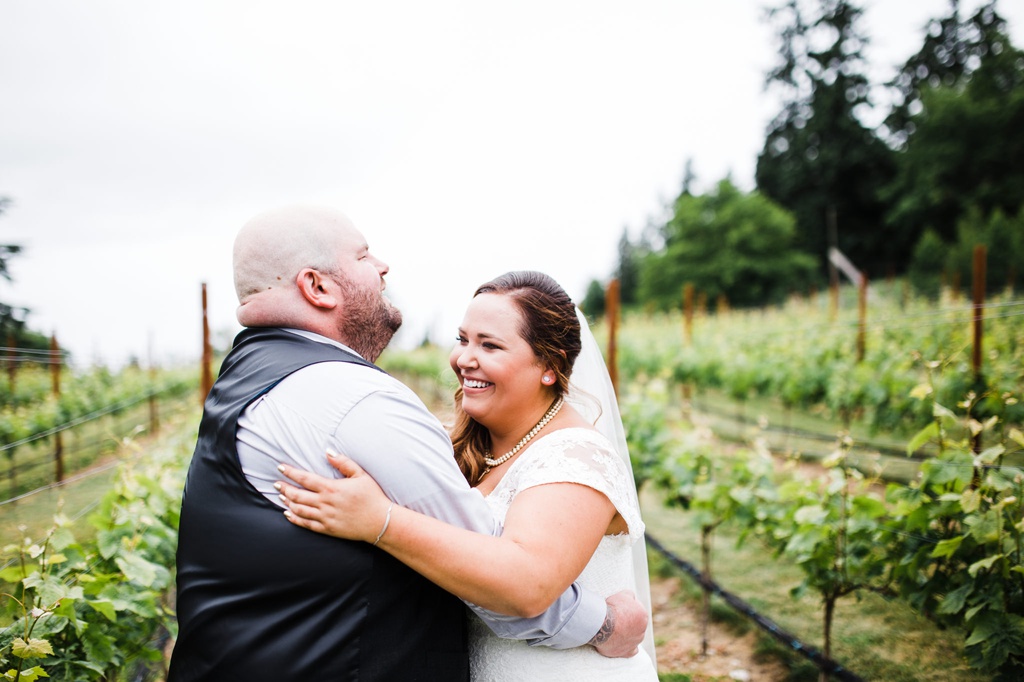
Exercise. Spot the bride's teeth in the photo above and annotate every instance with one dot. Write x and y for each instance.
(470, 383)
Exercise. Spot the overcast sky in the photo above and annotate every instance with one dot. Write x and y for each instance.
(464, 138)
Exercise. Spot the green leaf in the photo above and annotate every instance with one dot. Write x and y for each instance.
(99, 647)
(990, 455)
(56, 558)
(65, 608)
(970, 500)
(89, 665)
(983, 631)
(105, 607)
(137, 569)
(810, 514)
(985, 563)
(109, 543)
(956, 600)
(947, 547)
(62, 538)
(33, 648)
(984, 527)
(869, 507)
(970, 613)
(923, 436)
(921, 391)
(942, 413)
(15, 574)
(30, 675)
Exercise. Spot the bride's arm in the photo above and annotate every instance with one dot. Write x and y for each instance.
(550, 533)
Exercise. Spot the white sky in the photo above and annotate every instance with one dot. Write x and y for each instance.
(464, 138)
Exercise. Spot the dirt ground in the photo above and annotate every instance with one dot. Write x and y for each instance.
(678, 642)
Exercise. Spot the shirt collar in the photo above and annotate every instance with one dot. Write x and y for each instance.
(313, 336)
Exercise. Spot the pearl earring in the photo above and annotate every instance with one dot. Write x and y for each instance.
(547, 379)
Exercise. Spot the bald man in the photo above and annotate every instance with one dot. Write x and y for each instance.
(261, 599)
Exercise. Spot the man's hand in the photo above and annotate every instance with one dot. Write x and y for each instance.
(624, 626)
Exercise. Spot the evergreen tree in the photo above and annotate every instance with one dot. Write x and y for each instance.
(819, 161)
(628, 270)
(952, 50)
(12, 318)
(964, 146)
(593, 305)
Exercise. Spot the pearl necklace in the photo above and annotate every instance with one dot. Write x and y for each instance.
(548, 416)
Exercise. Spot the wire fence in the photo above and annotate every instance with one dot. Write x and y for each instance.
(21, 356)
(89, 439)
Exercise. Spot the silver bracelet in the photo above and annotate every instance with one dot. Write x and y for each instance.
(387, 520)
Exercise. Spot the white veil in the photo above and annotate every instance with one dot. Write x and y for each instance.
(592, 394)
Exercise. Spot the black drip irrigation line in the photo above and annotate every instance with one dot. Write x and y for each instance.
(809, 652)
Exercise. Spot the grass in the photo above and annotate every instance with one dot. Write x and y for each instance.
(874, 638)
(75, 499)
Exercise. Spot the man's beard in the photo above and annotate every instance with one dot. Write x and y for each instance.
(370, 320)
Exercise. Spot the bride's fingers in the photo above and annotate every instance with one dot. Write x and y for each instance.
(303, 522)
(292, 495)
(303, 511)
(306, 479)
(345, 466)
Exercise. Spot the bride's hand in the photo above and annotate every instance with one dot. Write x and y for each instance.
(353, 507)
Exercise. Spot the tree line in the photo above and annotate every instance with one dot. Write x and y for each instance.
(909, 196)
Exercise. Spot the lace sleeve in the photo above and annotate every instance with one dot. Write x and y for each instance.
(585, 457)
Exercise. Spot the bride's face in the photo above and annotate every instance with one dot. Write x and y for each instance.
(498, 370)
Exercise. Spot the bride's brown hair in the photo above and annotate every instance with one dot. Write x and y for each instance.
(549, 326)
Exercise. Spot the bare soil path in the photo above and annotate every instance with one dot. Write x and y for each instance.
(677, 637)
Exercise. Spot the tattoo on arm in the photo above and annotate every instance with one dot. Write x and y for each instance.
(606, 629)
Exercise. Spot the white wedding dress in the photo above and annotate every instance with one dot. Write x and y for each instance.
(584, 456)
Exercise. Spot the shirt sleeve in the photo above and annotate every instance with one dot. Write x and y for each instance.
(392, 435)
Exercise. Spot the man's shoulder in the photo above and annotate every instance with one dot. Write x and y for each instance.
(351, 378)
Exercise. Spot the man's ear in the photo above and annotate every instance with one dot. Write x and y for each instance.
(318, 289)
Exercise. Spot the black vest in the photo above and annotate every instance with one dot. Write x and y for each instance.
(261, 599)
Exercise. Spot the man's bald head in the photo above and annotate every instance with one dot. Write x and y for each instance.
(309, 268)
(273, 247)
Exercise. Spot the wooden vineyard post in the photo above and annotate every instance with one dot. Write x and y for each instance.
(207, 373)
(154, 414)
(862, 316)
(688, 312)
(722, 305)
(12, 361)
(55, 365)
(11, 377)
(980, 255)
(612, 310)
(687, 340)
(833, 291)
(833, 271)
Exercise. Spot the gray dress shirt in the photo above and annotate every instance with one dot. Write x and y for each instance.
(383, 426)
